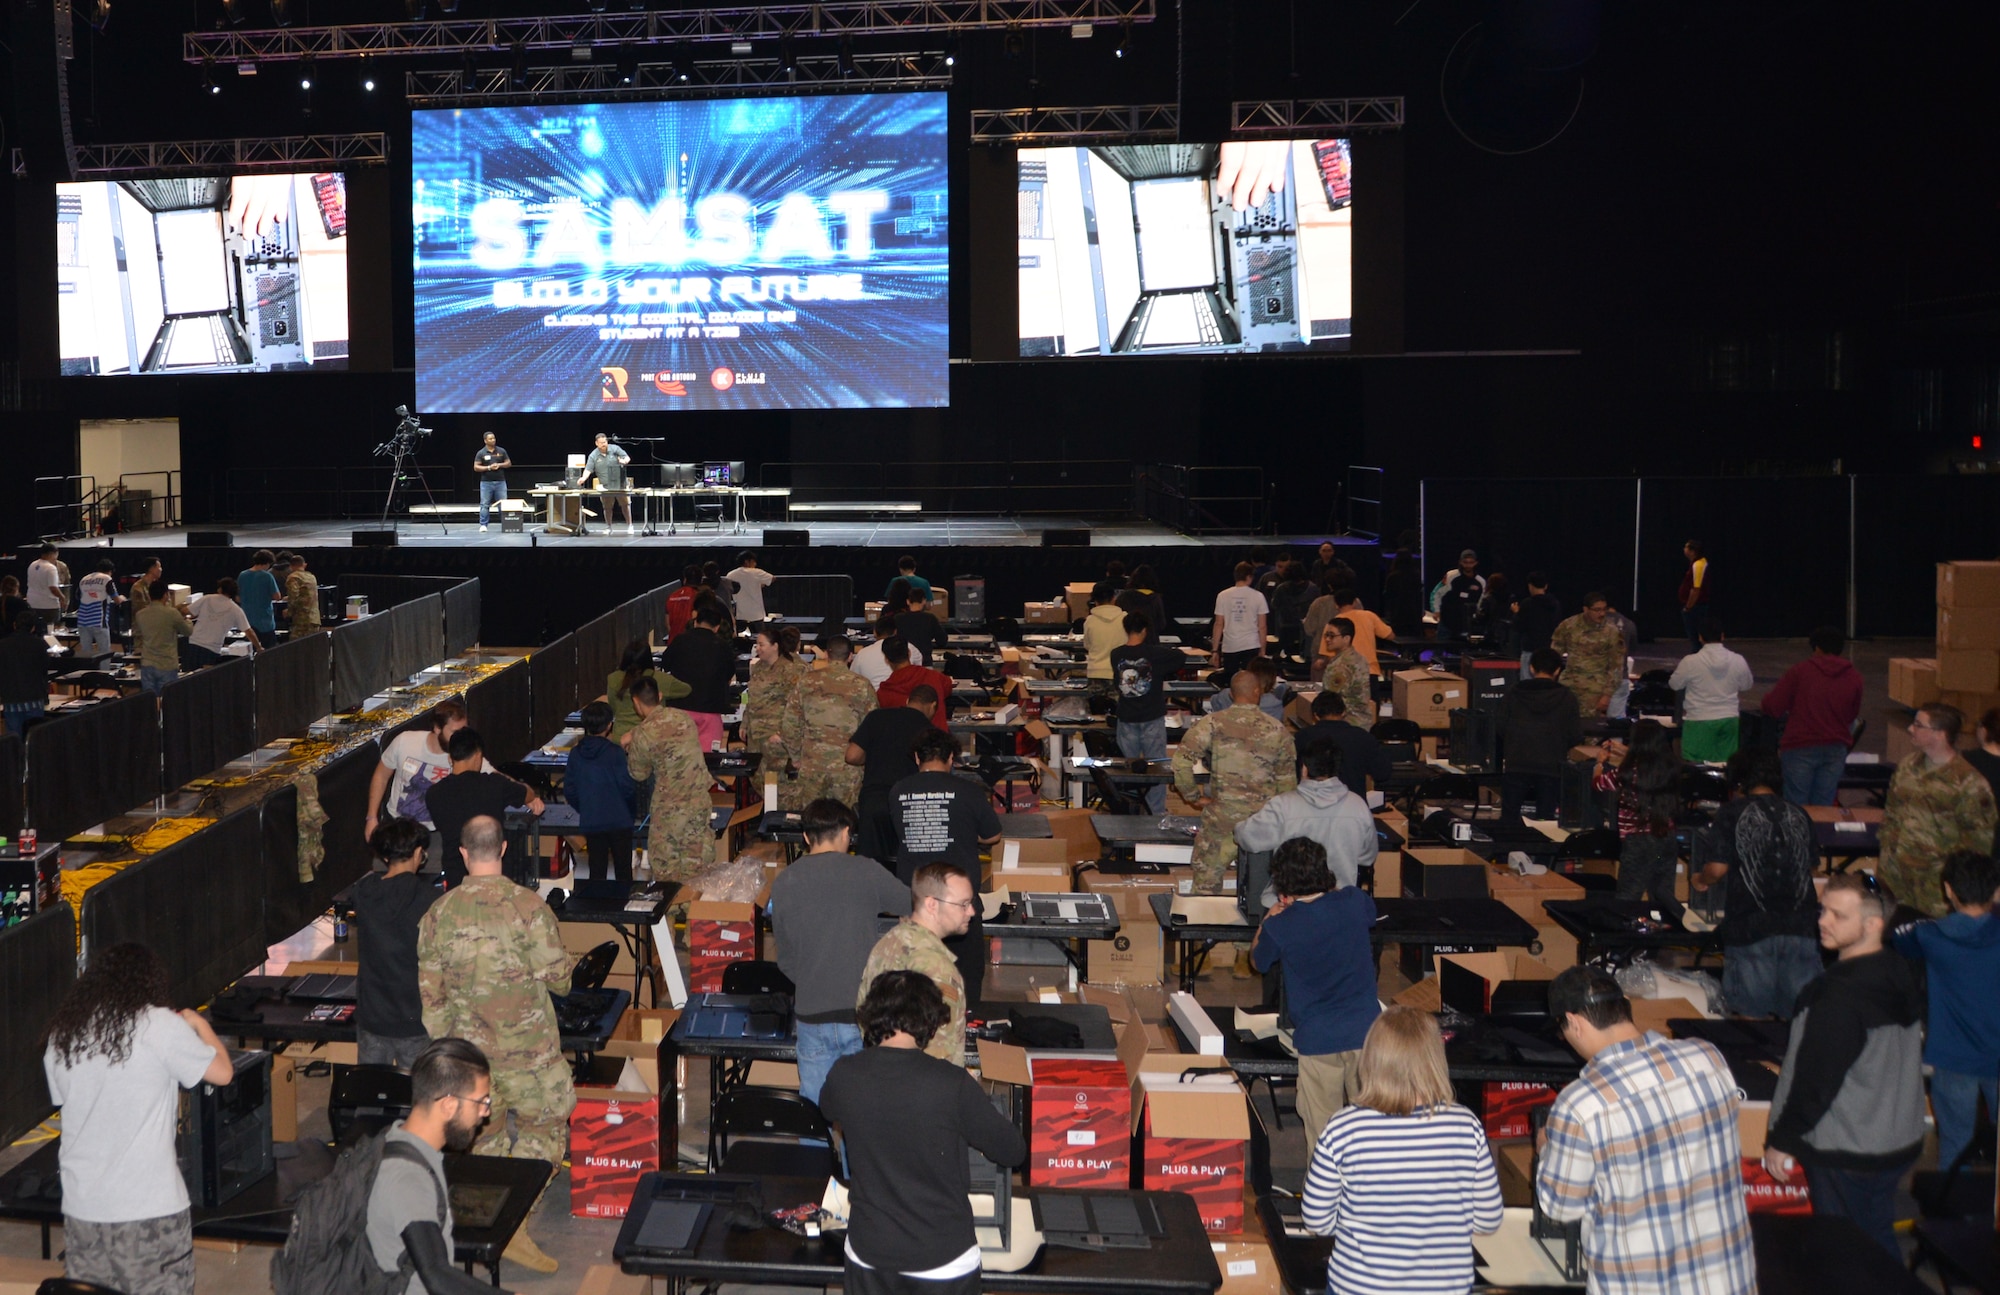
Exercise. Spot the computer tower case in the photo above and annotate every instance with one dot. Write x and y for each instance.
(224, 1133)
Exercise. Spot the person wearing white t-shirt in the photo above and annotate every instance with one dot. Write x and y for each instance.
(214, 616)
(96, 593)
(1241, 620)
(751, 581)
(45, 588)
(869, 662)
(117, 1057)
(411, 764)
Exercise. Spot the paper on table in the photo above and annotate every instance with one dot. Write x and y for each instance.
(1863, 757)
(1512, 1258)
(1548, 827)
(989, 905)
(1208, 910)
(1850, 827)
(1258, 1025)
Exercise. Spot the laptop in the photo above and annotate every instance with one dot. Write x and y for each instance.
(1097, 1220)
(323, 987)
(1058, 909)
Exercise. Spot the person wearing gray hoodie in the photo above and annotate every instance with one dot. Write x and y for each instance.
(1321, 809)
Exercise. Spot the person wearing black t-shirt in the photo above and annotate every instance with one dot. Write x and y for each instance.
(388, 1011)
(468, 793)
(700, 657)
(1361, 756)
(943, 818)
(918, 627)
(1140, 671)
(906, 1119)
(885, 747)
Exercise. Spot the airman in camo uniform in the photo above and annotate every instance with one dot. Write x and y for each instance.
(488, 953)
(917, 944)
(775, 670)
(1933, 808)
(828, 705)
(1594, 649)
(1250, 759)
(302, 598)
(666, 748)
(1347, 673)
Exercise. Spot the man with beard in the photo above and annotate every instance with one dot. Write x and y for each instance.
(451, 1094)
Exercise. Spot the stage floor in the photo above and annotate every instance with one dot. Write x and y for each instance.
(985, 532)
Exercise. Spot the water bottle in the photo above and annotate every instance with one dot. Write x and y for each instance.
(339, 926)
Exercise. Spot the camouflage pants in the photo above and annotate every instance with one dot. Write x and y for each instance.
(1215, 844)
(530, 1119)
(679, 843)
(1589, 689)
(143, 1257)
(841, 782)
(1921, 886)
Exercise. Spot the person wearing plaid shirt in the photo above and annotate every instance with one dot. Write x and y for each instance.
(1643, 1148)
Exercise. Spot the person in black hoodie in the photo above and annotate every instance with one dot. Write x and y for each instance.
(1849, 1107)
(705, 661)
(1539, 723)
(1535, 619)
(1291, 598)
(1403, 596)
(388, 1013)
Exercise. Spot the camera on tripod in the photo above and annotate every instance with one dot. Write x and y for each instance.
(403, 441)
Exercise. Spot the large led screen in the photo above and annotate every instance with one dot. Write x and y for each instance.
(729, 254)
(1162, 248)
(243, 274)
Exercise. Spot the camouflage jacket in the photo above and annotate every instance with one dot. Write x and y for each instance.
(1250, 756)
(666, 748)
(1596, 657)
(1347, 675)
(826, 708)
(910, 947)
(1931, 811)
(488, 953)
(302, 598)
(765, 702)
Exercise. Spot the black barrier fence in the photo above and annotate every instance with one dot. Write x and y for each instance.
(37, 968)
(417, 636)
(598, 648)
(461, 618)
(811, 597)
(292, 687)
(363, 660)
(342, 787)
(13, 792)
(207, 719)
(86, 767)
(1786, 554)
(387, 592)
(198, 904)
(552, 686)
(498, 706)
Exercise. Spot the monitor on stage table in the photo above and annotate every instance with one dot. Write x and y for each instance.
(782, 253)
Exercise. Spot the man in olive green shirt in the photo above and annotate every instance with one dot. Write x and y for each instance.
(159, 627)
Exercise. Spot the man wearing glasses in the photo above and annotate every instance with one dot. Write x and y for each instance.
(451, 1095)
(1594, 648)
(1937, 803)
(942, 905)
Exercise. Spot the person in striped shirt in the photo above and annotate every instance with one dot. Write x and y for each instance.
(1403, 1179)
(1643, 1148)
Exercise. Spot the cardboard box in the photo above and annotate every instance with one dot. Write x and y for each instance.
(1021, 796)
(1248, 1268)
(284, 1098)
(1434, 871)
(1516, 1163)
(1134, 956)
(1968, 584)
(24, 1276)
(719, 934)
(1968, 627)
(1505, 1108)
(614, 1137)
(1525, 894)
(1654, 1013)
(1388, 874)
(1753, 1125)
(1558, 946)
(1076, 597)
(1492, 968)
(1913, 680)
(638, 1033)
(1192, 1138)
(581, 937)
(1031, 866)
(940, 602)
(1968, 670)
(606, 1279)
(1428, 697)
(1763, 1194)
(1045, 614)
(1079, 1110)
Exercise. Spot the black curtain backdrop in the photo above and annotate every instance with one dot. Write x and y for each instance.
(1578, 531)
(552, 686)
(343, 795)
(500, 708)
(1776, 550)
(632, 621)
(198, 904)
(289, 903)
(598, 647)
(813, 597)
(363, 659)
(37, 967)
(417, 636)
(1904, 527)
(13, 784)
(90, 766)
(207, 719)
(461, 618)
(294, 686)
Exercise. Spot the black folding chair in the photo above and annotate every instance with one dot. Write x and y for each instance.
(770, 1132)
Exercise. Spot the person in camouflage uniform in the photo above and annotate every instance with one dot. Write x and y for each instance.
(826, 708)
(302, 598)
(1347, 673)
(488, 953)
(1250, 759)
(775, 670)
(1594, 649)
(1937, 803)
(666, 749)
(941, 906)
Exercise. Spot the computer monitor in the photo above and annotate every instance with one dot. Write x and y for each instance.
(680, 474)
(722, 474)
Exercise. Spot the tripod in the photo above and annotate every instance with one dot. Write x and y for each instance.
(404, 471)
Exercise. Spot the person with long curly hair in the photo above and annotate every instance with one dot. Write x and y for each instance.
(117, 1056)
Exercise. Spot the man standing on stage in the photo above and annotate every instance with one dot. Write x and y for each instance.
(606, 466)
(490, 466)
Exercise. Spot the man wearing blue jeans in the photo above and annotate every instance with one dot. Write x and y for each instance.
(824, 911)
(490, 466)
(1140, 671)
(1764, 855)
(1962, 953)
(1819, 700)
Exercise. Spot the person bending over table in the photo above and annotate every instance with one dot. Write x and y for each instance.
(944, 818)
(906, 1119)
(390, 907)
(473, 789)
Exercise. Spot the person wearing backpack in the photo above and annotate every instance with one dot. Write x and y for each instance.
(380, 1223)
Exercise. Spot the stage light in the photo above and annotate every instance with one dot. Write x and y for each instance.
(208, 82)
(628, 67)
(579, 50)
(683, 63)
(281, 12)
(740, 48)
(447, 7)
(951, 52)
(367, 76)
(233, 11)
(517, 75)
(1124, 48)
(788, 58)
(847, 56)
(306, 73)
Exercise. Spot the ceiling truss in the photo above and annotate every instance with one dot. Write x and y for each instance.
(225, 156)
(706, 79)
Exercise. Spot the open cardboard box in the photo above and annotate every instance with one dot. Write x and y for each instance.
(1192, 1133)
(719, 934)
(1654, 1013)
(1493, 968)
(1029, 865)
(614, 1138)
(1432, 872)
(1079, 1108)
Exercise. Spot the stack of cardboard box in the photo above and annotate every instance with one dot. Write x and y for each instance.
(1965, 673)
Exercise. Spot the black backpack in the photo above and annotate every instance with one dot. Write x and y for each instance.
(328, 1249)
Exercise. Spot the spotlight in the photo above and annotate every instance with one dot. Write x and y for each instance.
(517, 75)
(233, 11)
(281, 12)
(740, 48)
(579, 50)
(788, 58)
(951, 52)
(367, 76)
(1014, 43)
(208, 84)
(447, 7)
(683, 63)
(847, 56)
(306, 73)
(1124, 47)
(628, 67)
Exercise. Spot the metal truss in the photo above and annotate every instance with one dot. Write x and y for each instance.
(1075, 125)
(740, 22)
(1290, 116)
(224, 156)
(706, 79)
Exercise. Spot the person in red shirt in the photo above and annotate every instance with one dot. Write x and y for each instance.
(895, 690)
(680, 603)
(1819, 700)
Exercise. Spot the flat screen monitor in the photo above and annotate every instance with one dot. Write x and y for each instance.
(783, 253)
(1147, 249)
(219, 274)
(722, 474)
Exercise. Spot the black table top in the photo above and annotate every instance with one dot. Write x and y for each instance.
(1180, 1263)
(1431, 922)
(1469, 1055)
(1008, 923)
(1090, 1019)
(581, 909)
(258, 1213)
(281, 1020)
(1851, 844)
(1122, 769)
(1144, 829)
(1573, 915)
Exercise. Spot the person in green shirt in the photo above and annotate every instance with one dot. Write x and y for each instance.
(634, 665)
(159, 627)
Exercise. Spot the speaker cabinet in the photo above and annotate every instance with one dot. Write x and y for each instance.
(1066, 539)
(374, 539)
(798, 538)
(210, 540)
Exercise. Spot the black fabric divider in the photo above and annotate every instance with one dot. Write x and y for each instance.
(386, 592)
(1777, 560)
(417, 636)
(1904, 527)
(1578, 530)
(198, 904)
(810, 597)
(552, 687)
(37, 967)
(631, 619)
(598, 648)
(501, 709)
(294, 686)
(207, 719)
(343, 795)
(289, 903)
(461, 618)
(90, 766)
(13, 784)
(363, 656)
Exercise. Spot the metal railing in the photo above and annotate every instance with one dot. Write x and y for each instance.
(1363, 500)
(161, 507)
(65, 506)
(1204, 501)
(1053, 487)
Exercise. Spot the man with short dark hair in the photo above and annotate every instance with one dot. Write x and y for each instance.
(702, 659)
(1103, 633)
(1694, 593)
(1271, 690)
(944, 818)
(598, 784)
(1347, 672)
(1539, 722)
(906, 571)
(1457, 596)
(1361, 756)
(868, 660)
(1711, 680)
(301, 598)
(1643, 1148)
(823, 910)
(906, 1120)
(389, 907)
(1763, 846)
(1242, 622)
(942, 905)
(918, 626)
(884, 746)
(1593, 651)
(257, 593)
(96, 596)
(1849, 1105)
(1819, 699)
(46, 595)
(1320, 808)
(470, 790)
(1937, 803)
(827, 706)
(409, 1206)
(904, 674)
(1961, 954)
(751, 581)
(1140, 671)
(1535, 619)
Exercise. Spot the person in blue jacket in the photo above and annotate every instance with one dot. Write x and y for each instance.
(1962, 953)
(599, 787)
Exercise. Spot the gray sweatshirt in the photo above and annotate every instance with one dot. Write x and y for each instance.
(823, 912)
(1326, 812)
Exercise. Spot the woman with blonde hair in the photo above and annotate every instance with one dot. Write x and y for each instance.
(1403, 1179)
